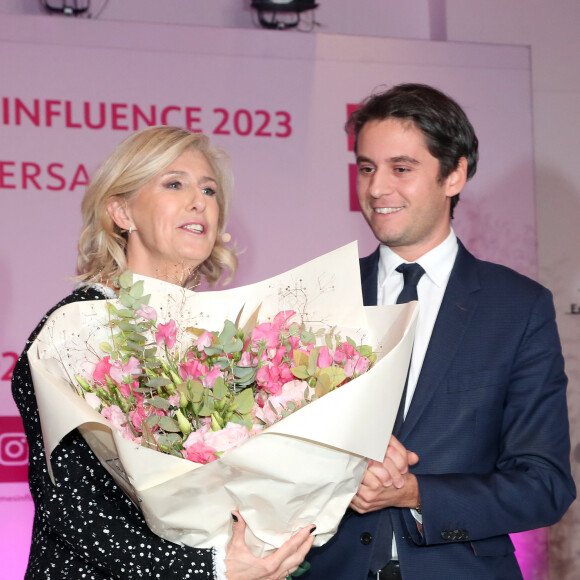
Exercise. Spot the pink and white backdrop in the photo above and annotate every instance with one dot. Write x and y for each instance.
(277, 101)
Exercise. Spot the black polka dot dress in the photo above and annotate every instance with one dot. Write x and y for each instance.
(85, 527)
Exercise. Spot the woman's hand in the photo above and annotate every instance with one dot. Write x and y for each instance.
(241, 564)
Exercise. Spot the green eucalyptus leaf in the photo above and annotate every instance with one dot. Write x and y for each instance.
(126, 326)
(300, 372)
(136, 291)
(307, 337)
(126, 279)
(228, 333)
(335, 376)
(244, 373)
(169, 424)
(365, 350)
(244, 401)
(213, 350)
(106, 347)
(312, 361)
(126, 300)
(159, 403)
(235, 346)
(156, 382)
(220, 389)
(126, 313)
(152, 420)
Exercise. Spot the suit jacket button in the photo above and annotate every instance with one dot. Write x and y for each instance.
(365, 538)
(445, 535)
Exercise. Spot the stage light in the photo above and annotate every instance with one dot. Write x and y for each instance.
(274, 13)
(67, 7)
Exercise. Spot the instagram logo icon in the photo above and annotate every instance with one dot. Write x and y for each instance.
(13, 450)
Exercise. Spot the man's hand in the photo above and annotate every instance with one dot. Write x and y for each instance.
(388, 483)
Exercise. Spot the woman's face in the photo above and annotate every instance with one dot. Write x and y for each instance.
(174, 220)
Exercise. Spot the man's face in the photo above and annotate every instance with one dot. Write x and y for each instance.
(399, 192)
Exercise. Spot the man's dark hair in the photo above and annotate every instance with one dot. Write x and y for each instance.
(449, 135)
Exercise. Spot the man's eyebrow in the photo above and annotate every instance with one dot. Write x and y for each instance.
(404, 159)
(395, 159)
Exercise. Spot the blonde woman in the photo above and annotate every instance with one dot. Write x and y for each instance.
(157, 205)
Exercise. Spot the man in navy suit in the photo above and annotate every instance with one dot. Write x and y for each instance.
(485, 413)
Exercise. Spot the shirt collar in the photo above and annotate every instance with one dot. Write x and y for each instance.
(437, 263)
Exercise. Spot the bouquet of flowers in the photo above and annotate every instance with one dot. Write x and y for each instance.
(295, 388)
(205, 398)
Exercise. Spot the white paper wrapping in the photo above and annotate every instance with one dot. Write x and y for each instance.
(303, 470)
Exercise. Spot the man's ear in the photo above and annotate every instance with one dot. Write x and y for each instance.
(117, 209)
(457, 179)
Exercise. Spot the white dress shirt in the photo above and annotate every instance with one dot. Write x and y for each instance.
(437, 264)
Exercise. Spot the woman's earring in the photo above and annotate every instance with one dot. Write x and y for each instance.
(226, 237)
(130, 230)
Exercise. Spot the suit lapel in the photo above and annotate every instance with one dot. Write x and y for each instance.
(369, 271)
(459, 303)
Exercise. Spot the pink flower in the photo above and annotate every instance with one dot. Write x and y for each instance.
(269, 332)
(201, 453)
(93, 400)
(292, 391)
(147, 312)
(209, 379)
(247, 360)
(268, 377)
(206, 339)
(279, 355)
(127, 390)
(102, 369)
(230, 437)
(343, 352)
(124, 372)
(167, 333)
(192, 369)
(356, 366)
(324, 358)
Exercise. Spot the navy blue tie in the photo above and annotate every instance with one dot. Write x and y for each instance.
(411, 275)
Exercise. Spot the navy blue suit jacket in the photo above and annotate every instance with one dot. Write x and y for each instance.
(489, 422)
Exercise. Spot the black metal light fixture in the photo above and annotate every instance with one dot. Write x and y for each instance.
(66, 7)
(269, 12)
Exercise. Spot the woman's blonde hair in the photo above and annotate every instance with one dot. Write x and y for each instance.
(133, 163)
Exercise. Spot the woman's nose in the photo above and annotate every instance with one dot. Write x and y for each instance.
(197, 201)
